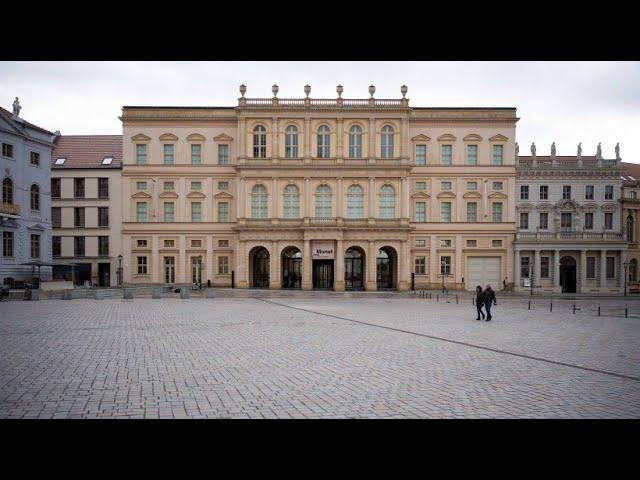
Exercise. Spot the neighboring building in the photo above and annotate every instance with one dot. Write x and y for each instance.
(319, 193)
(24, 213)
(570, 235)
(86, 208)
(631, 219)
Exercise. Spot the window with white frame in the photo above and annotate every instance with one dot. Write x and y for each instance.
(223, 154)
(497, 154)
(142, 265)
(420, 212)
(445, 243)
(446, 154)
(141, 154)
(497, 185)
(387, 202)
(497, 211)
(524, 192)
(291, 204)
(445, 212)
(472, 154)
(169, 185)
(196, 154)
(420, 242)
(566, 192)
(355, 202)
(259, 199)
(445, 265)
(472, 186)
(291, 142)
(324, 141)
(524, 220)
(169, 154)
(445, 185)
(323, 201)
(387, 141)
(141, 211)
(472, 212)
(141, 185)
(608, 192)
(196, 185)
(544, 192)
(196, 211)
(421, 185)
(419, 265)
(543, 223)
(421, 154)
(223, 212)
(355, 141)
(259, 142)
(168, 211)
(223, 265)
(588, 192)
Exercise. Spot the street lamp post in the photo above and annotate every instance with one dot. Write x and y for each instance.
(119, 270)
(531, 271)
(625, 264)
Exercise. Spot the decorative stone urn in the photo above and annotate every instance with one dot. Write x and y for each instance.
(275, 89)
(339, 89)
(404, 90)
(372, 90)
(307, 90)
(243, 90)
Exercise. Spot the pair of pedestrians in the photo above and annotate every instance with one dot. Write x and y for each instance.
(486, 298)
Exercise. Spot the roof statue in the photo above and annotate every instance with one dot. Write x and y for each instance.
(16, 107)
(533, 149)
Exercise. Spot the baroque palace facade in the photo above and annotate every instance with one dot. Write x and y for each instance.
(341, 194)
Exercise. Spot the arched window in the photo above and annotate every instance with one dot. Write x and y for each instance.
(291, 202)
(259, 142)
(323, 201)
(324, 142)
(259, 199)
(7, 190)
(387, 202)
(387, 141)
(291, 142)
(633, 271)
(355, 142)
(630, 229)
(35, 197)
(355, 202)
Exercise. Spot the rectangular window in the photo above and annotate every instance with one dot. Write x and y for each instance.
(196, 185)
(497, 154)
(223, 185)
(608, 221)
(497, 211)
(7, 244)
(196, 211)
(103, 188)
(445, 243)
(566, 192)
(524, 220)
(223, 265)
(472, 186)
(196, 243)
(141, 211)
(56, 217)
(588, 192)
(421, 242)
(611, 267)
(496, 243)
(103, 246)
(544, 221)
(544, 267)
(524, 192)
(78, 187)
(7, 150)
(169, 185)
(168, 243)
(103, 216)
(445, 265)
(421, 154)
(588, 221)
(419, 266)
(591, 267)
(445, 185)
(608, 192)
(472, 212)
(524, 267)
(497, 185)
(56, 246)
(78, 246)
(142, 185)
(223, 212)
(141, 154)
(223, 243)
(421, 185)
(472, 154)
(34, 158)
(446, 155)
(445, 212)
(168, 154)
(55, 188)
(196, 154)
(78, 217)
(544, 192)
(420, 212)
(566, 220)
(142, 265)
(35, 246)
(141, 243)
(223, 154)
(472, 243)
(168, 211)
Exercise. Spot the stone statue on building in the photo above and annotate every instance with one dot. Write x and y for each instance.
(16, 107)
(580, 150)
(517, 150)
(553, 150)
(533, 149)
(599, 150)
(618, 151)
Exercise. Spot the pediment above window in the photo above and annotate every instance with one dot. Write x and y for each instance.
(223, 137)
(498, 195)
(168, 137)
(196, 137)
(608, 207)
(222, 196)
(473, 137)
(140, 137)
(472, 195)
(421, 194)
(498, 138)
(195, 195)
(545, 207)
(420, 138)
(567, 205)
(525, 207)
(446, 195)
(447, 137)
(590, 206)
(168, 195)
(140, 195)
(36, 228)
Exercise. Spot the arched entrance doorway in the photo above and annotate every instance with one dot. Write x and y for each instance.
(291, 268)
(354, 262)
(568, 274)
(259, 263)
(386, 261)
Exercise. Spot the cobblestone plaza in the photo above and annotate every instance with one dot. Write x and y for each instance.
(314, 355)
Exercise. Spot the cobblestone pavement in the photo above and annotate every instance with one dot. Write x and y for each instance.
(313, 356)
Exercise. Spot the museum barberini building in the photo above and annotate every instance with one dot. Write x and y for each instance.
(306, 193)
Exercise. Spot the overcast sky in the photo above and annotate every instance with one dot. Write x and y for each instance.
(565, 102)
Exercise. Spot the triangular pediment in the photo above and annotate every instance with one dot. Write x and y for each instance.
(447, 137)
(525, 206)
(472, 195)
(196, 137)
(223, 137)
(446, 195)
(140, 137)
(498, 138)
(223, 195)
(473, 137)
(168, 137)
(420, 194)
(498, 195)
(140, 195)
(195, 195)
(609, 207)
(37, 228)
(168, 195)
(420, 138)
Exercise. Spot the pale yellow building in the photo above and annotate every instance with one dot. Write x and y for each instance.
(319, 193)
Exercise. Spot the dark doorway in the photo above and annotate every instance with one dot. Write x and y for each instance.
(354, 269)
(568, 274)
(259, 261)
(292, 268)
(385, 268)
(83, 273)
(104, 274)
(323, 274)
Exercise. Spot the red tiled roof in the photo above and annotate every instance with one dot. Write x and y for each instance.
(28, 124)
(630, 170)
(87, 151)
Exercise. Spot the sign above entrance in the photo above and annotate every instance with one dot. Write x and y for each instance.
(322, 250)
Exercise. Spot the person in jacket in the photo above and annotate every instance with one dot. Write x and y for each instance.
(479, 302)
(489, 297)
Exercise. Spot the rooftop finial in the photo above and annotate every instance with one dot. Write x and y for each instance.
(372, 90)
(16, 107)
(307, 90)
(599, 151)
(243, 90)
(579, 150)
(339, 89)
(553, 150)
(618, 157)
(533, 149)
(275, 89)
(404, 90)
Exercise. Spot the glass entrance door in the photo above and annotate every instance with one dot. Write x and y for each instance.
(384, 274)
(323, 274)
(353, 269)
(169, 270)
(196, 269)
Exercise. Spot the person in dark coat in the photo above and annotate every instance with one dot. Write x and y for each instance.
(479, 302)
(489, 297)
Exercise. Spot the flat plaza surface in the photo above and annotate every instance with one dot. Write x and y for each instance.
(315, 355)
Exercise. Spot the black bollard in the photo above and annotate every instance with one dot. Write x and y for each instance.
(574, 308)
(626, 312)
(598, 310)
(437, 298)
(529, 305)
(551, 306)
(456, 299)
(473, 301)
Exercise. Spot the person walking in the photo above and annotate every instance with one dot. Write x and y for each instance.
(479, 302)
(489, 297)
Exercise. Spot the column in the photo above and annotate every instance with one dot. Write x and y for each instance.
(241, 265)
(535, 281)
(403, 268)
(603, 269)
(307, 264)
(307, 197)
(209, 267)
(622, 257)
(516, 276)
(556, 271)
(458, 260)
(339, 140)
(338, 282)
(274, 264)
(182, 275)
(307, 140)
(242, 210)
(275, 195)
(242, 153)
(583, 271)
(156, 267)
(372, 140)
(404, 137)
(372, 189)
(371, 270)
(339, 199)
(275, 152)
(404, 198)
(433, 261)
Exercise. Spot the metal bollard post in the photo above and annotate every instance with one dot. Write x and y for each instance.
(437, 298)
(574, 308)
(529, 305)
(551, 306)
(473, 301)
(598, 309)
(626, 312)
(456, 299)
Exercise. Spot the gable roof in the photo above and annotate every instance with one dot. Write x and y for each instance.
(87, 151)
(24, 123)
(631, 174)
